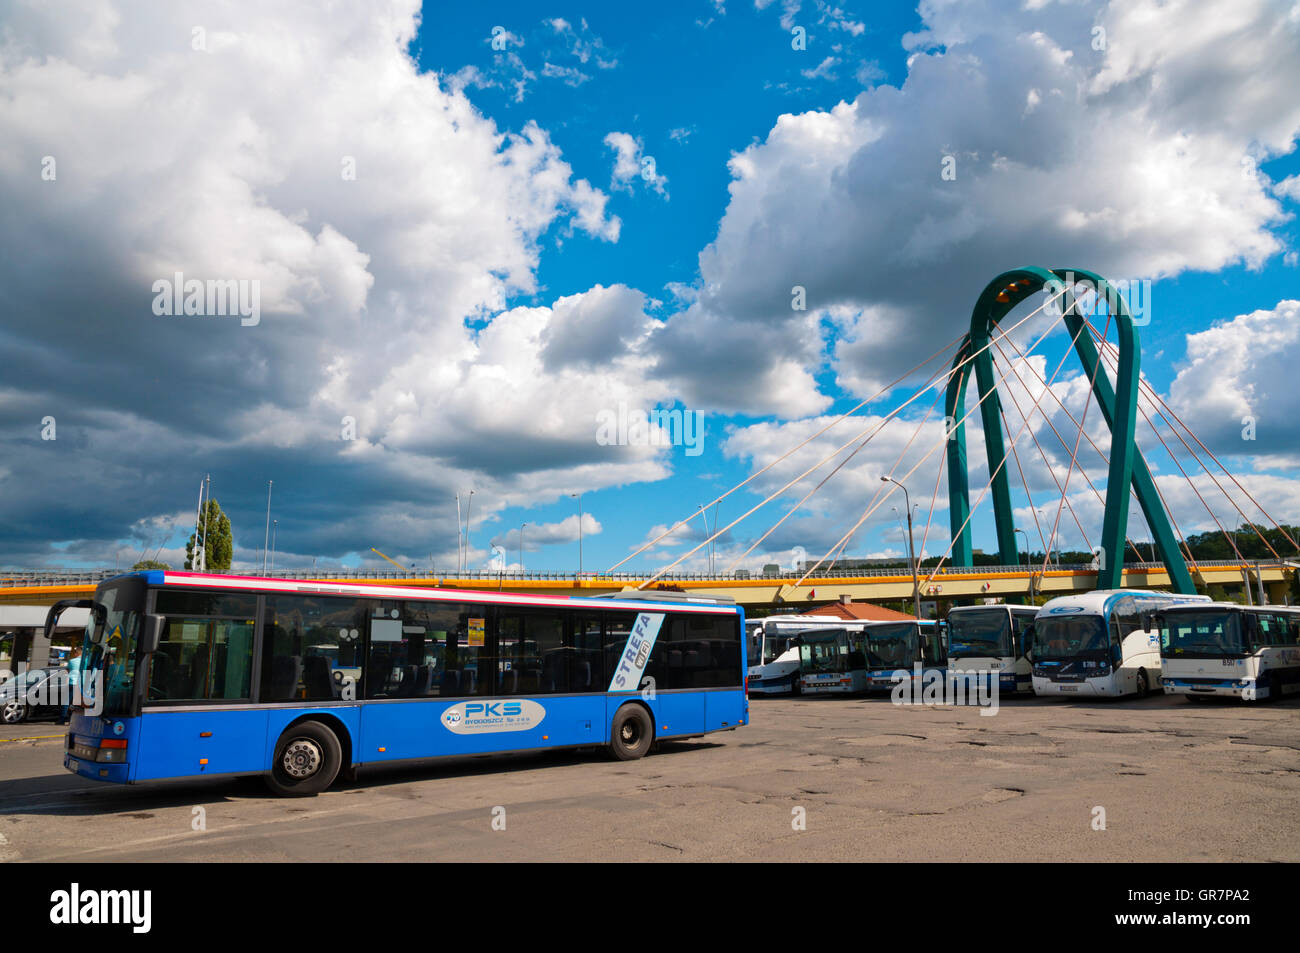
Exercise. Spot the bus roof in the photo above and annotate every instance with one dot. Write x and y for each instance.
(431, 594)
(1221, 606)
(1010, 607)
(1101, 601)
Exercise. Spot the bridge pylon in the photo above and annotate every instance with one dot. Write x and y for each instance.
(1118, 406)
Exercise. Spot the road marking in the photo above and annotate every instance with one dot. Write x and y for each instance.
(32, 738)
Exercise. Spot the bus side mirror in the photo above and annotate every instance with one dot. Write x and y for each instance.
(151, 634)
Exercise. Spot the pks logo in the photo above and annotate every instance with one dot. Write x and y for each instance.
(493, 715)
(493, 709)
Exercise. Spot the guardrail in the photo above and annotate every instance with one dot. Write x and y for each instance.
(85, 577)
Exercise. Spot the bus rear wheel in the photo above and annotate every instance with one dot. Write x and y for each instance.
(307, 760)
(1143, 685)
(632, 733)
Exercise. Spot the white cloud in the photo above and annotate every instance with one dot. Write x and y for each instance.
(1241, 372)
(630, 164)
(379, 210)
(850, 203)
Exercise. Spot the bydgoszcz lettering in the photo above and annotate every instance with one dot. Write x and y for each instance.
(101, 907)
(209, 298)
(656, 428)
(933, 687)
(56, 692)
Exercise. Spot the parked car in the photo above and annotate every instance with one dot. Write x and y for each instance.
(39, 692)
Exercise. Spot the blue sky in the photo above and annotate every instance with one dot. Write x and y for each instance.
(493, 276)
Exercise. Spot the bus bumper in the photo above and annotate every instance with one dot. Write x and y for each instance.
(1227, 687)
(116, 773)
(86, 756)
(1045, 686)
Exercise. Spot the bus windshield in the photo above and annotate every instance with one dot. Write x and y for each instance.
(1060, 638)
(891, 646)
(985, 633)
(110, 661)
(1201, 634)
(824, 652)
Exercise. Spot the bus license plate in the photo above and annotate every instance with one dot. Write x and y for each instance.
(1069, 688)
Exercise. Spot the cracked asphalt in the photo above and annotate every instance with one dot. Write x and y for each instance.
(808, 780)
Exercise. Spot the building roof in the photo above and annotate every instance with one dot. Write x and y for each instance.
(858, 612)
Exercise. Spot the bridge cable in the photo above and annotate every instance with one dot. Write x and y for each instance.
(993, 475)
(943, 442)
(829, 457)
(839, 466)
(1230, 538)
(1065, 446)
(1157, 402)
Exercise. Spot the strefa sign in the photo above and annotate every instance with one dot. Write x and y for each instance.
(490, 715)
(636, 652)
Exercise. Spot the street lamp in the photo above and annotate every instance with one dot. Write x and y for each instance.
(268, 524)
(911, 549)
(578, 496)
(274, 525)
(1026, 536)
(521, 547)
(468, 503)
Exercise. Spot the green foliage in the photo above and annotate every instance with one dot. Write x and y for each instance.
(150, 564)
(220, 543)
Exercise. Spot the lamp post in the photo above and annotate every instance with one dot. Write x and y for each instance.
(274, 526)
(468, 504)
(579, 498)
(911, 548)
(521, 547)
(266, 538)
(705, 514)
(459, 536)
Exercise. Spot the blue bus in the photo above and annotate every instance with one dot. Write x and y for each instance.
(191, 675)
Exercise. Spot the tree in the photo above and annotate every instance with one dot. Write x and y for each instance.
(220, 547)
(152, 564)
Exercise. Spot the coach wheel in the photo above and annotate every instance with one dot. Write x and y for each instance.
(307, 760)
(13, 713)
(796, 688)
(1275, 687)
(632, 733)
(1143, 686)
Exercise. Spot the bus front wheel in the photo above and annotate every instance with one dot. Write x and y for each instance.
(1143, 686)
(631, 734)
(307, 760)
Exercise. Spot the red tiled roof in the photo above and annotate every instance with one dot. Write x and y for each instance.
(858, 612)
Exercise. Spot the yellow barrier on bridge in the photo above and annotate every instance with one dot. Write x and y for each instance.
(772, 590)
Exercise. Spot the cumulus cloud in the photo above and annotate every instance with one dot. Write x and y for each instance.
(386, 222)
(1129, 162)
(1236, 385)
